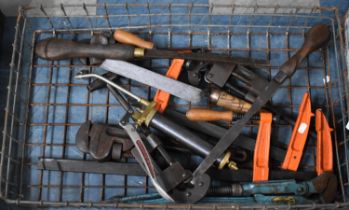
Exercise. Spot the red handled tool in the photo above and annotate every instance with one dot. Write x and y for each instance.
(162, 98)
(262, 148)
(299, 135)
(324, 152)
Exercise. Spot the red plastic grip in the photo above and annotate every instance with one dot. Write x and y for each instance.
(262, 148)
(299, 135)
(324, 150)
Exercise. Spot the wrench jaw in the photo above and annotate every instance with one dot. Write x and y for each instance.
(102, 142)
(82, 137)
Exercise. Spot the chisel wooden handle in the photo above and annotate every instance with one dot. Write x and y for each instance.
(58, 49)
(126, 37)
(202, 114)
(224, 99)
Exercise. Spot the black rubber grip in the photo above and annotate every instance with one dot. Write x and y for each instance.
(59, 49)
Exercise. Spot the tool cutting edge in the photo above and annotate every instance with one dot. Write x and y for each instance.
(153, 79)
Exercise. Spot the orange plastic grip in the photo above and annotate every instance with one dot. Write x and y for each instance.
(162, 98)
(324, 151)
(262, 148)
(299, 135)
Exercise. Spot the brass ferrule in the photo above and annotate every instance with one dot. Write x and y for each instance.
(138, 52)
(144, 116)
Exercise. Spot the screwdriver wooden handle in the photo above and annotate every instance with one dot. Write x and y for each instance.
(202, 114)
(126, 37)
(57, 49)
(224, 99)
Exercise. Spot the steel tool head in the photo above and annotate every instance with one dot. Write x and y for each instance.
(153, 79)
(315, 38)
(326, 186)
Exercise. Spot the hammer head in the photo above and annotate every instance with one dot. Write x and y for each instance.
(326, 185)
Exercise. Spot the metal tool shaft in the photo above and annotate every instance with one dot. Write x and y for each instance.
(123, 90)
(182, 134)
(266, 188)
(153, 79)
(81, 166)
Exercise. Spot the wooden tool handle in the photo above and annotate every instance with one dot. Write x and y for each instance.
(315, 38)
(58, 49)
(228, 101)
(126, 37)
(202, 114)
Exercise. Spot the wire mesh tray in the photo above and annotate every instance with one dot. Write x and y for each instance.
(46, 105)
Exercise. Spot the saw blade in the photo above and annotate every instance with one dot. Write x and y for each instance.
(153, 79)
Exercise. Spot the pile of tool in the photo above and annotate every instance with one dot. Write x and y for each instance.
(162, 140)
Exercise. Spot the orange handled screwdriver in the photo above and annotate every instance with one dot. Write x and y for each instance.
(205, 114)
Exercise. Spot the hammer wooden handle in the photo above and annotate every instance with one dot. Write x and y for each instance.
(202, 114)
(126, 37)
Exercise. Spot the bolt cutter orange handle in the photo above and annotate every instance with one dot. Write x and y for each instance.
(299, 135)
(262, 148)
(324, 152)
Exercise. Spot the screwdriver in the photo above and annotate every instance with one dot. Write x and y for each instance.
(205, 114)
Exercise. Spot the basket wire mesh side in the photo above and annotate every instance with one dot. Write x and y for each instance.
(46, 105)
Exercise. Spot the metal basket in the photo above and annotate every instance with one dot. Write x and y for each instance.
(46, 105)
